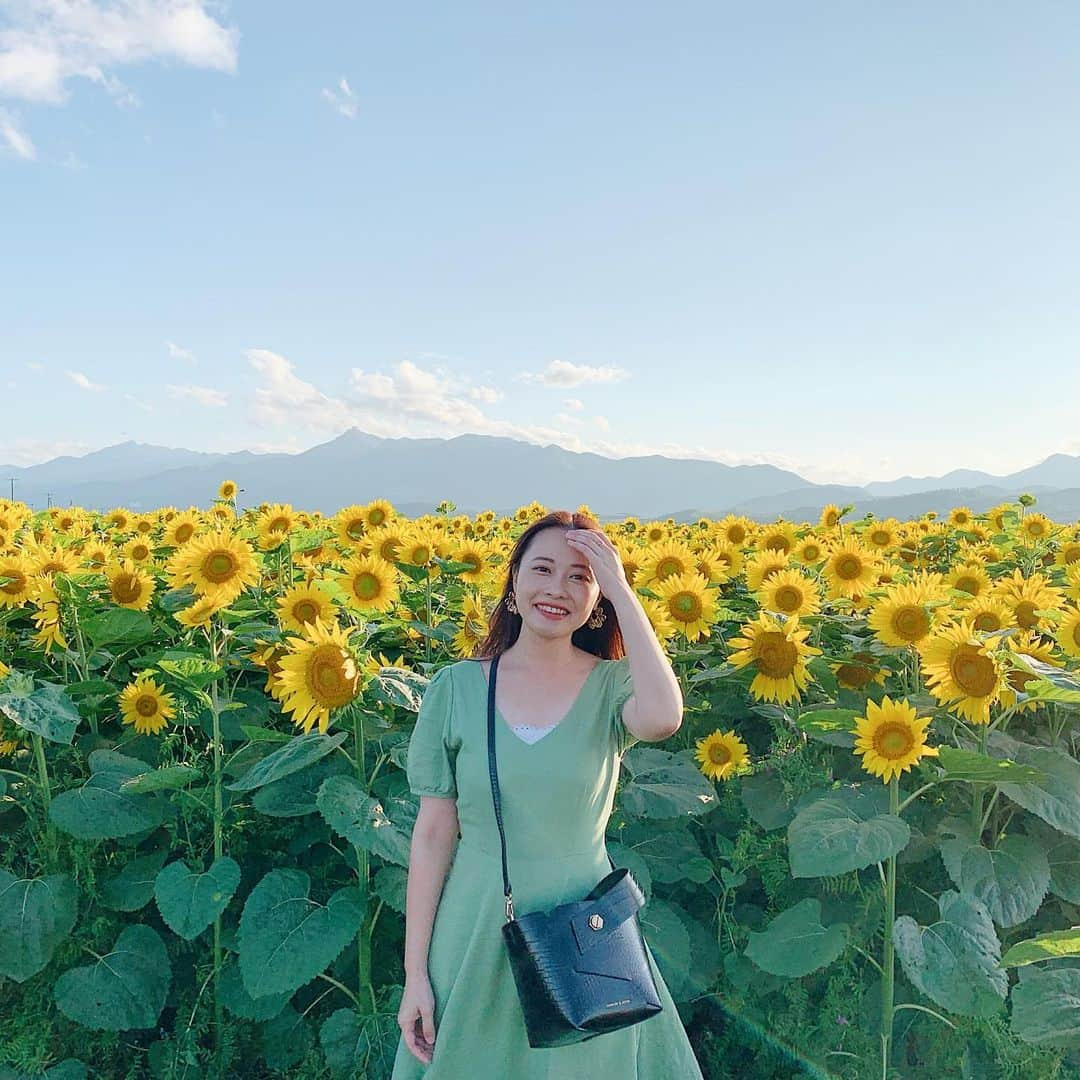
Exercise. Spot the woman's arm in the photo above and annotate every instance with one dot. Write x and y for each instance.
(434, 840)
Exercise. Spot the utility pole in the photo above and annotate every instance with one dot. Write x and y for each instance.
(48, 496)
(12, 479)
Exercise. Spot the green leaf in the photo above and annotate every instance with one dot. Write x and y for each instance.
(397, 686)
(100, 810)
(667, 939)
(46, 710)
(170, 778)
(1056, 797)
(979, 768)
(118, 626)
(1044, 690)
(239, 1002)
(1011, 880)
(664, 784)
(261, 734)
(848, 829)
(1063, 855)
(286, 939)
(189, 901)
(390, 885)
(297, 754)
(133, 887)
(360, 1045)
(294, 795)
(286, 1039)
(1045, 1008)
(1049, 946)
(796, 942)
(833, 726)
(669, 854)
(192, 671)
(954, 962)
(352, 813)
(71, 1069)
(125, 989)
(765, 800)
(36, 914)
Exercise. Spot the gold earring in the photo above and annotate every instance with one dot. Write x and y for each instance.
(596, 619)
(510, 605)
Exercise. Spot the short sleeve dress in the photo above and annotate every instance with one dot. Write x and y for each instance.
(557, 794)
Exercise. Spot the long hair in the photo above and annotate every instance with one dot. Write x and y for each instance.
(504, 626)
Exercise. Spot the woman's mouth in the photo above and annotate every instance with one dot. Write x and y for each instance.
(553, 613)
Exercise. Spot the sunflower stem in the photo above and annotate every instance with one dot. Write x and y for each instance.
(977, 793)
(363, 932)
(218, 844)
(888, 964)
(46, 798)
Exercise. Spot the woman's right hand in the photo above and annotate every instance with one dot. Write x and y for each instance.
(418, 1007)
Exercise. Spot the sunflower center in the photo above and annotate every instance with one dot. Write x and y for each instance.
(666, 567)
(811, 552)
(140, 552)
(893, 741)
(146, 705)
(377, 517)
(1035, 528)
(365, 586)
(777, 543)
(848, 567)
(126, 589)
(17, 583)
(719, 754)
(880, 537)
(219, 566)
(854, 675)
(968, 585)
(776, 656)
(973, 672)
(1071, 553)
(911, 623)
(306, 611)
(788, 598)
(280, 524)
(736, 534)
(331, 676)
(685, 606)
(1025, 614)
(355, 529)
(987, 620)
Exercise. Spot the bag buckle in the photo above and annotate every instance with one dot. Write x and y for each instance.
(510, 907)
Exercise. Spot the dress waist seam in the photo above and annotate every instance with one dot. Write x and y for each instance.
(511, 857)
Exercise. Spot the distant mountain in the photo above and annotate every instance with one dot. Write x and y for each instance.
(480, 472)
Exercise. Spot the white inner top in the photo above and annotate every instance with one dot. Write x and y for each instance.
(530, 733)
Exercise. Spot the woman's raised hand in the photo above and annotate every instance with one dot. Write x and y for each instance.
(418, 1008)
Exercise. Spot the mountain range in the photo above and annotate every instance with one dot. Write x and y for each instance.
(481, 472)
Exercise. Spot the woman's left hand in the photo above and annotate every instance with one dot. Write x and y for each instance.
(603, 558)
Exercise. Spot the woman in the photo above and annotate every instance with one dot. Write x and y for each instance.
(581, 679)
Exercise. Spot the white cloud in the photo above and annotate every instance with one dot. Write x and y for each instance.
(573, 404)
(47, 43)
(18, 141)
(283, 398)
(602, 423)
(26, 452)
(138, 403)
(342, 99)
(487, 395)
(204, 395)
(79, 379)
(177, 353)
(563, 373)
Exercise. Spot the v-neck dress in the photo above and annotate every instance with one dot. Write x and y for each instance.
(557, 795)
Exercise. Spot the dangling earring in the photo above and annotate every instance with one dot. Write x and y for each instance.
(510, 605)
(596, 619)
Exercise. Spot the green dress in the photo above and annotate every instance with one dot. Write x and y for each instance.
(556, 795)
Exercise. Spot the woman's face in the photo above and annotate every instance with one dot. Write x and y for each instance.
(553, 573)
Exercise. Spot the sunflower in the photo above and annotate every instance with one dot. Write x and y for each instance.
(1036, 527)
(350, 525)
(734, 530)
(902, 616)
(370, 583)
(960, 517)
(15, 580)
(890, 738)
(1067, 634)
(378, 513)
(54, 560)
(199, 613)
(317, 675)
(881, 535)
(302, 605)
(810, 550)
(668, 558)
(146, 705)
(962, 672)
(130, 586)
(384, 543)
(1068, 554)
(273, 526)
(986, 614)
(850, 569)
(1025, 596)
(476, 554)
(688, 602)
(779, 536)
(830, 517)
(419, 546)
(969, 578)
(761, 566)
(215, 564)
(118, 519)
(181, 529)
(721, 754)
(778, 652)
(1026, 644)
(858, 672)
(1072, 581)
(728, 555)
(268, 655)
(790, 592)
(228, 489)
(47, 615)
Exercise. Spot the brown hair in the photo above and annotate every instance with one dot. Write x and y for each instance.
(504, 626)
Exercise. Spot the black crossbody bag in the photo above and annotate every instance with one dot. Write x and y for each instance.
(581, 969)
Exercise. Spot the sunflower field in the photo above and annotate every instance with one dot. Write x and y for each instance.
(861, 850)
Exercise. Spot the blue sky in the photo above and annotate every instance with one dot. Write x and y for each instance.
(838, 237)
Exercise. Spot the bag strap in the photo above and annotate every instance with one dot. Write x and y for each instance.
(494, 775)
